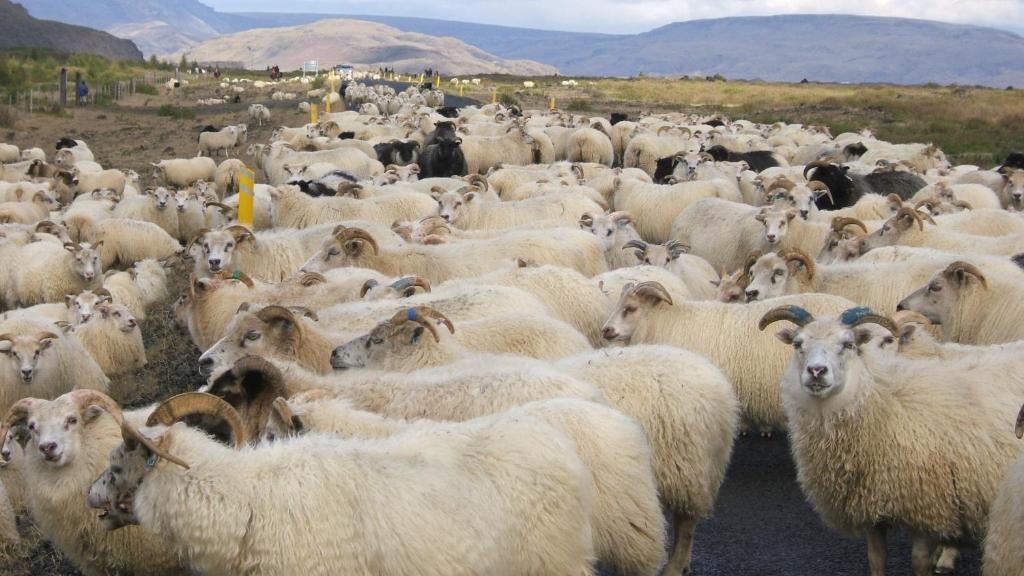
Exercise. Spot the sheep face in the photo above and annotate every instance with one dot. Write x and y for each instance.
(1013, 189)
(23, 353)
(636, 302)
(218, 248)
(85, 260)
(55, 429)
(113, 492)
(937, 300)
(451, 205)
(182, 198)
(162, 197)
(46, 201)
(159, 174)
(271, 331)
(393, 338)
(401, 288)
(768, 278)
(775, 223)
(825, 352)
(342, 249)
(121, 316)
(800, 198)
(890, 233)
(662, 255)
(732, 287)
(605, 227)
(83, 306)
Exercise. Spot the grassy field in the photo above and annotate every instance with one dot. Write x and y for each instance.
(972, 125)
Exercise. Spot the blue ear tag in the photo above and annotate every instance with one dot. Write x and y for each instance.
(411, 314)
(151, 461)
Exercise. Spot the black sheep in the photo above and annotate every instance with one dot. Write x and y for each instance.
(397, 152)
(758, 160)
(443, 159)
(448, 111)
(846, 189)
(66, 142)
(617, 117)
(1014, 161)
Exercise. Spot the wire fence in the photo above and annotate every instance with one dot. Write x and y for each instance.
(47, 97)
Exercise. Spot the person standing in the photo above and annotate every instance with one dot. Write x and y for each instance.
(83, 92)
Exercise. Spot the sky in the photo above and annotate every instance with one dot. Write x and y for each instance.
(631, 16)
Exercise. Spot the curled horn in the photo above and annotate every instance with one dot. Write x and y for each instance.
(654, 289)
(676, 248)
(822, 187)
(413, 315)
(839, 223)
(431, 313)
(240, 276)
(861, 315)
(928, 203)
(587, 219)
(621, 215)
(794, 314)
(662, 129)
(222, 206)
(752, 259)
(638, 244)
(478, 181)
(799, 256)
(358, 234)
(1019, 428)
(963, 204)
(577, 169)
(311, 279)
(902, 317)
(367, 286)
(815, 164)
(349, 188)
(189, 403)
(917, 216)
(202, 232)
(101, 291)
(786, 184)
(410, 282)
(967, 268)
(239, 232)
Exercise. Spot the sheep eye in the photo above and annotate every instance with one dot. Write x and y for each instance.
(629, 310)
(72, 420)
(230, 245)
(848, 346)
(779, 272)
(888, 340)
(377, 340)
(935, 288)
(798, 345)
(271, 437)
(333, 252)
(252, 335)
(32, 426)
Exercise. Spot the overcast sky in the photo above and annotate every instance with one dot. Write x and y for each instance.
(628, 16)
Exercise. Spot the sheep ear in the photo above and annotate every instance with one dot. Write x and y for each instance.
(91, 413)
(65, 327)
(69, 300)
(786, 335)
(862, 336)
(469, 196)
(907, 332)
(355, 247)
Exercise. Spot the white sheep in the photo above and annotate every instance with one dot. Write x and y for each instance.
(590, 144)
(1003, 555)
(35, 208)
(155, 206)
(655, 206)
(468, 211)
(139, 287)
(113, 339)
(269, 256)
(123, 242)
(9, 153)
(724, 233)
(615, 231)
(68, 443)
(184, 172)
(226, 177)
(536, 495)
(46, 272)
(86, 182)
(259, 113)
(221, 141)
(294, 209)
(841, 404)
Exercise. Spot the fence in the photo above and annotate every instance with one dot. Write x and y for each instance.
(46, 97)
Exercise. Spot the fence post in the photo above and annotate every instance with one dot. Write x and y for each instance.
(30, 103)
(63, 87)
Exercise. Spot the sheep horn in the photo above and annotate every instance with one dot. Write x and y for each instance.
(410, 282)
(928, 203)
(821, 186)
(274, 312)
(413, 315)
(239, 232)
(220, 205)
(967, 268)
(240, 276)
(306, 311)
(839, 223)
(431, 313)
(621, 215)
(787, 184)
(1019, 428)
(676, 248)
(202, 232)
(347, 188)
(638, 244)
(367, 286)
(654, 289)
(188, 403)
(799, 256)
(862, 315)
(794, 314)
(902, 317)
(813, 165)
(587, 219)
(101, 291)
(907, 211)
(359, 234)
(752, 259)
(478, 181)
(963, 204)
(311, 279)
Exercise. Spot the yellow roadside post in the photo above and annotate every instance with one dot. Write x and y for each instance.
(494, 96)
(246, 179)
(314, 114)
(552, 107)
(461, 90)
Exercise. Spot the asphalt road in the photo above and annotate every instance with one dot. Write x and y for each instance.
(763, 526)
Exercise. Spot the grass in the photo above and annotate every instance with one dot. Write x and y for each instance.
(21, 69)
(176, 112)
(972, 125)
(7, 117)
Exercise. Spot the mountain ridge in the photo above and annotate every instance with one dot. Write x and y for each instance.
(19, 29)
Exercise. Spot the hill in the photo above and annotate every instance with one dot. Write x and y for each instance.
(20, 30)
(360, 43)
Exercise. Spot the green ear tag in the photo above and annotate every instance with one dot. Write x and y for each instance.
(237, 275)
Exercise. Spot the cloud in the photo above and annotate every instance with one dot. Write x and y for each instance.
(631, 16)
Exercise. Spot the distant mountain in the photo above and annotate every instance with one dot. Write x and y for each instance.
(831, 48)
(356, 42)
(20, 30)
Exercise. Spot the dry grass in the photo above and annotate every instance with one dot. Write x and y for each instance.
(973, 125)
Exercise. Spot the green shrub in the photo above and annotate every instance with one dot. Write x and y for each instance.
(176, 112)
(509, 100)
(147, 89)
(579, 105)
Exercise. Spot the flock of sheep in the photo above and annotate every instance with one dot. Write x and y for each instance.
(493, 341)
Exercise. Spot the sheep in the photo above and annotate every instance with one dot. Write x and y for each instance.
(139, 287)
(466, 210)
(225, 178)
(516, 146)
(546, 530)
(841, 404)
(907, 228)
(261, 114)
(347, 159)
(45, 272)
(68, 443)
(654, 206)
(67, 157)
(123, 242)
(40, 359)
(9, 153)
(33, 154)
(219, 141)
(628, 528)
(847, 189)
(1011, 193)
(184, 172)
(696, 273)
(751, 229)
(1003, 555)
(37, 208)
(154, 206)
(615, 231)
(643, 150)
(191, 214)
(86, 212)
(294, 209)
(113, 339)
(384, 347)
(437, 263)
(590, 145)
(976, 195)
(758, 160)
(647, 314)
(86, 182)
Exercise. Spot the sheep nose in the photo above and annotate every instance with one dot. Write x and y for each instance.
(770, 237)
(132, 323)
(752, 295)
(47, 448)
(205, 365)
(215, 262)
(804, 213)
(608, 333)
(817, 371)
(85, 317)
(447, 218)
(900, 307)
(26, 375)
